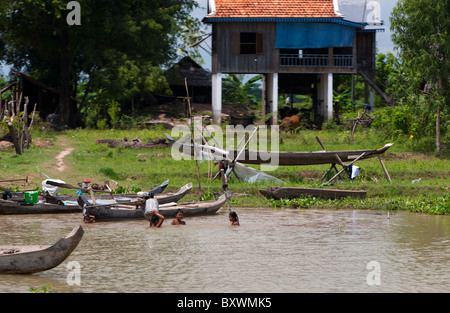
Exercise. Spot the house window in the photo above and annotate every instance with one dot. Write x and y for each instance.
(247, 43)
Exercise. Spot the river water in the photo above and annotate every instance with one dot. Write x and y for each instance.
(283, 251)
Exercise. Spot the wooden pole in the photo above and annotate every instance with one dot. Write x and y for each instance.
(384, 169)
(240, 152)
(320, 143)
(14, 180)
(225, 187)
(91, 192)
(192, 140)
(344, 167)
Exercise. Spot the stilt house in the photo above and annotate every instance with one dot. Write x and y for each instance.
(297, 45)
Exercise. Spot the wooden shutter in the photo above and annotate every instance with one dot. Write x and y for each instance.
(235, 43)
(259, 43)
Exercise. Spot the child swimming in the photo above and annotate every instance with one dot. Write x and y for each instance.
(233, 218)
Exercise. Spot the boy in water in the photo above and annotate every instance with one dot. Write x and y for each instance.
(179, 218)
(155, 219)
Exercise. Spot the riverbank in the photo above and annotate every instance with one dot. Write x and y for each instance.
(419, 181)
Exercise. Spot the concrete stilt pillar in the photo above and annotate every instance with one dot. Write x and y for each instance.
(325, 96)
(216, 97)
(329, 101)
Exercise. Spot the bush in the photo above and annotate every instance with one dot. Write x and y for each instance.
(395, 121)
(110, 173)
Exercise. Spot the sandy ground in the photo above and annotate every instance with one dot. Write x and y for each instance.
(60, 166)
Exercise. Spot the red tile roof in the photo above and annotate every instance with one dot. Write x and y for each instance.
(274, 8)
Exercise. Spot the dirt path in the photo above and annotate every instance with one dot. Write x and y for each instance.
(60, 166)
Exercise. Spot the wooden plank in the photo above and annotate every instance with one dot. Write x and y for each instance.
(14, 180)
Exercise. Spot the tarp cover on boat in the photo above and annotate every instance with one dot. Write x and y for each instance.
(52, 190)
(252, 175)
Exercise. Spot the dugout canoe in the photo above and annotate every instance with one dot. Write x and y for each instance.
(20, 207)
(33, 259)
(124, 213)
(290, 158)
(70, 205)
(278, 193)
(312, 157)
(162, 198)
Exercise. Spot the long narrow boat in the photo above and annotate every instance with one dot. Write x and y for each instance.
(308, 157)
(290, 157)
(162, 198)
(33, 259)
(189, 209)
(20, 207)
(71, 206)
(278, 193)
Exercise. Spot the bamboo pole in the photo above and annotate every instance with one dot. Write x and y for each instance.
(192, 140)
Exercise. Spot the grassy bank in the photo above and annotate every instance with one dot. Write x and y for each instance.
(141, 169)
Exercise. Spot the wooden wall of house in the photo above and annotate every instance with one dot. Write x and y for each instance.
(225, 52)
(227, 59)
(366, 50)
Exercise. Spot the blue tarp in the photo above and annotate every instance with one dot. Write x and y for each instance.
(313, 35)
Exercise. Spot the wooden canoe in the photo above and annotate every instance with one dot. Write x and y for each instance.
(162, 198)
(71, 206)
(20, 207)
(33, 259)
(291, 158)
(278, 193)
(189, 209)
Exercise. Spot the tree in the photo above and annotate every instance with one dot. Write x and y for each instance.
(116, 43)
(237, 90)
(421, 32)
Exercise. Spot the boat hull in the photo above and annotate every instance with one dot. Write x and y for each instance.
(278, 193)
(13, 207)
(33, 259)
(8, 207)
(162, 197)
(189, 209)
(293, 158)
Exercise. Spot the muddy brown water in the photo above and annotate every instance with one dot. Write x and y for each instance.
(272, 251)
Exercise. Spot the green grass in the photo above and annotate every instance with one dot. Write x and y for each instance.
(146, 168)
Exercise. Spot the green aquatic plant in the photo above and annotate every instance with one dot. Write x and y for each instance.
(43, 289)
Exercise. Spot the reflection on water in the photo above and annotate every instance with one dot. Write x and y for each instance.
(272, 251)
